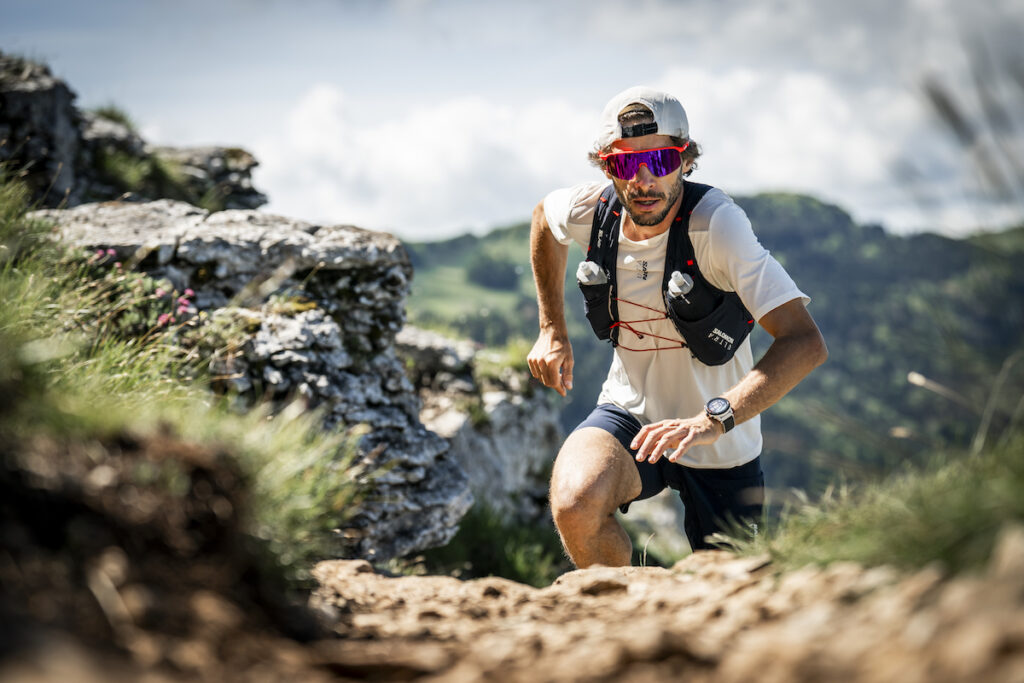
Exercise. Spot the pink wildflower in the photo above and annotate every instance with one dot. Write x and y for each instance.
(183, 308)
(182, 301)
(99, 253)
(110, 252)
(189, 292)
(159, 292)
(117, 264)
(163, 319)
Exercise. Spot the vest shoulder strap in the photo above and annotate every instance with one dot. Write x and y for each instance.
(604, 234)
(679, 254)
(604, 246)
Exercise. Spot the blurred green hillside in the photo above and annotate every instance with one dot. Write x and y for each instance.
(950, 310)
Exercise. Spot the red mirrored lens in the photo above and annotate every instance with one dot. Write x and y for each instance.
(660, 162)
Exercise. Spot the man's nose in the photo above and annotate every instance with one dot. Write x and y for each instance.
(643, 176)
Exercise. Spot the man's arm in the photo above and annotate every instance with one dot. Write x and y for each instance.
(550, 359)
(798, 348)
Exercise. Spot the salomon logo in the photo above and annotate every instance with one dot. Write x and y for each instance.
(720, 338)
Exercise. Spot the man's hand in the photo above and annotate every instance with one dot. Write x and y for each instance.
(654, 439)
(550, 361)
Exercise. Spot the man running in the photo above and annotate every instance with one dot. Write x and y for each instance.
(664, 417)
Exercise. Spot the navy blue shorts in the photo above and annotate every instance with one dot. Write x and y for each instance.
(714, 499)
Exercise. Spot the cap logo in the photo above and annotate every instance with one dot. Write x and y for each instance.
(639, 130)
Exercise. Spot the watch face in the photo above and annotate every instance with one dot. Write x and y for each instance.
(718, 406)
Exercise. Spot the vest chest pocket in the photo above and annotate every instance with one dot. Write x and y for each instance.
(597, 301)
(715, 338)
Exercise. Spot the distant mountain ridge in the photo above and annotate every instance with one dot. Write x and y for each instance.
(888, 305)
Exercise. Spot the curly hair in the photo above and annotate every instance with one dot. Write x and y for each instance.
(637, 114)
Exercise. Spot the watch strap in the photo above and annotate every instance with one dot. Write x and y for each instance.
(728, 423)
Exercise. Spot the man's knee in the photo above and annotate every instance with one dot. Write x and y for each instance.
(577, 508)
(592, 476)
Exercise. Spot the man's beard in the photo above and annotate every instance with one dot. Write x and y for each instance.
(670, 202)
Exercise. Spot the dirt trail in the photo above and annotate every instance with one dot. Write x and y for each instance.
(109, 576)
(712, 617)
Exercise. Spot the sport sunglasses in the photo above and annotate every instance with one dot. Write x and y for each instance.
(660, 161)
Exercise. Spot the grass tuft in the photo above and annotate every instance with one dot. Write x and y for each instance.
(149, 176)
(949, 513)
(490, 544)
(113, 113)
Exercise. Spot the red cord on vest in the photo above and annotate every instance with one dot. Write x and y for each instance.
(628, 325)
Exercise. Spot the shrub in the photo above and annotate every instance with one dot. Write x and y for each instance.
(148, 176)
(112, 112)
(487, 271)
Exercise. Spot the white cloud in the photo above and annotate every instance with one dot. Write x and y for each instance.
(465, 163)
(469, 163)
(783, 95)
(795, 131)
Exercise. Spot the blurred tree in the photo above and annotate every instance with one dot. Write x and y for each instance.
(493, 273)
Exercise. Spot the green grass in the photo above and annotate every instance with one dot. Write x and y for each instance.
(89, 350)
(443, 292)
(489, 544)
(948, 513)
(149, 176)
(111, 112)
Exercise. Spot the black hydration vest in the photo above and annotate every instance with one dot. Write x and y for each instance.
(714, 338)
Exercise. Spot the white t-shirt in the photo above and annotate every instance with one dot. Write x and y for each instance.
(669, 383)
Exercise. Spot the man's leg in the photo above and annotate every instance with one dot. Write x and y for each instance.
(593, 475)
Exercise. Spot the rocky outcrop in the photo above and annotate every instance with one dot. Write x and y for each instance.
(712, 617)
(39, 130)
(68, 157)
(221, 174)
(322, 305)
(502, 432)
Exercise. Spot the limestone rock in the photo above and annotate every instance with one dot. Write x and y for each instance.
(225, 172)
(39, 129)
(502, 433)
(434, 360)
(506, 448)
(68, 157)
(322, 305)
(110, 135)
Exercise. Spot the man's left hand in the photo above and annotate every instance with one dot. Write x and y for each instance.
(654, 439)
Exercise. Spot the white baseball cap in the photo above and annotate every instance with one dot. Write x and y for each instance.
(669, 116)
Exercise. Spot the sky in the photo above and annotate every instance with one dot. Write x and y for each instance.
(428, 119)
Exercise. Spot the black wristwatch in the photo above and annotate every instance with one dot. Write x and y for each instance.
(721, 410)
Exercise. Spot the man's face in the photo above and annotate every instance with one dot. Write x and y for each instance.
(648, 198)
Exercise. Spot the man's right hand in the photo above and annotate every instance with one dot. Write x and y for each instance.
(550, 361)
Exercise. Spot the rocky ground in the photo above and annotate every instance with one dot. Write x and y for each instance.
(712, 617)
